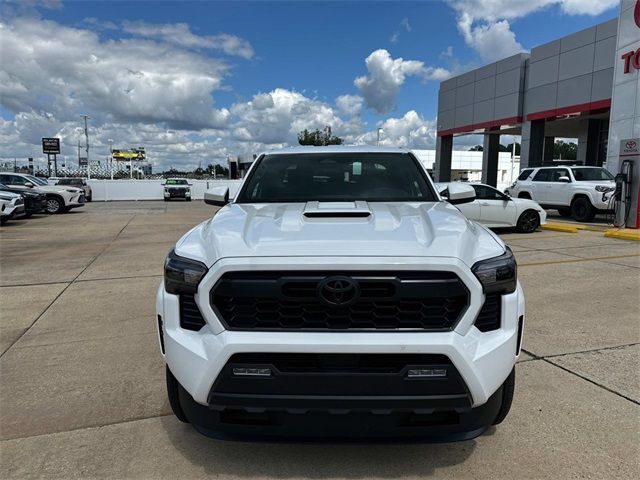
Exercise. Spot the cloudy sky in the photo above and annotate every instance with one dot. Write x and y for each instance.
(197, 81)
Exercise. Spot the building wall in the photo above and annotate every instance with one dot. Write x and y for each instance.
(573, 70)
(625, 107)
(482, 96)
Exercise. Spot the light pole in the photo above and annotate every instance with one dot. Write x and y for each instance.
(513, 155)
(111, 156)
(378, 141)
(86, 147)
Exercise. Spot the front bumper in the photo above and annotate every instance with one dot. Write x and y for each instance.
(482, 360)
(177, 193)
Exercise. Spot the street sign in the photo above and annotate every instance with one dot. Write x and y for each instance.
(51, 145)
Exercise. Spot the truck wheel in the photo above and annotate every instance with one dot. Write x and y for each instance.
(528, 222)
(54, 205)
(174, 399)
(564, 212)
(524, 195)
(582, 210)
(508, 388)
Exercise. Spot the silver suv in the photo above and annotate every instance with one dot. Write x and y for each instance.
(576, 191)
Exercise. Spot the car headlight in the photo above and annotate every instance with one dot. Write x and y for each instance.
(604, 189)
(182, 275)
(499, 274)
(71, 190)
(6, 197)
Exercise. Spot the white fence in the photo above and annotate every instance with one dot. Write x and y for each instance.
(108, 190)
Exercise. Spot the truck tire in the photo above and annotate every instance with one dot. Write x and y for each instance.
(174, 398)
(528, 222)
(582, 210)
(564, 212)
(508, 389)
(54, 204)
(524, 195)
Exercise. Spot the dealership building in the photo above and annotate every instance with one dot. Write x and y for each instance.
(584, 86)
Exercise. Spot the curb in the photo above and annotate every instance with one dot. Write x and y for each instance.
(623, 233)
(559, 227)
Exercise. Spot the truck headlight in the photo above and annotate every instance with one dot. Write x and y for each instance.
(499, 274)
(182, 275)
(604, 189)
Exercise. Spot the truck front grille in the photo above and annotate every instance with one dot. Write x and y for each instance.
(339, 301)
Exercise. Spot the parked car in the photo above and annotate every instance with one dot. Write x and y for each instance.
(80, 183)
(495, 209)
(34, 202)
(579, 192)
(59, 199)
(177, 188)
(11, 204)
(339, 296)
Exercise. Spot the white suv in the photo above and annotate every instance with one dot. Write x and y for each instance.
(59, 199)
(580, 192)
(339, 296)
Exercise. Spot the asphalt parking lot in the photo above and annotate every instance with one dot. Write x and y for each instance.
(82, 384)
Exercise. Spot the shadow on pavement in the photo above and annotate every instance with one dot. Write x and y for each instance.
(282, 460)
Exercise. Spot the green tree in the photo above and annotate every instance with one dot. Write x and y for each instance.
(565, 150)
(318, 138)
(477, 148)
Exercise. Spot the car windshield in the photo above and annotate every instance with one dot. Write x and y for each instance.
(70, 181)
(36, 180)
(591, 174)
(326, 177)
(176, 182)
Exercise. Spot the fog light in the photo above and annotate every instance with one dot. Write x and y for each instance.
(427, 373)
(252, 372)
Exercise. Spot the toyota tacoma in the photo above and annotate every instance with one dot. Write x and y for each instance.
(339, 297)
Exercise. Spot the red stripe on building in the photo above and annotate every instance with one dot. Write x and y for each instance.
(479, 126)
(580, 108)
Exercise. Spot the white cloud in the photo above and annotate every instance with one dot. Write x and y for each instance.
(485, 27)
(405, 24)
(181, 35)
(410, 130)
(492, 41)
(385, 76)
(52, 68)
(277, 117)
(350, 105)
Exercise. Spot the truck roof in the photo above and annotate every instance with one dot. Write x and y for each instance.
(336, 149)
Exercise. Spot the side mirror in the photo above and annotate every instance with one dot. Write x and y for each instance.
(458, 193)
(218, 196)
(29, 184)
(564, 179)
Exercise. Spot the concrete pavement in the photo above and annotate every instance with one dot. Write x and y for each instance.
(82, 386)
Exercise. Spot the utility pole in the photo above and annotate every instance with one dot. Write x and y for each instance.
(111, 156)
(86, 137)
(378, 141)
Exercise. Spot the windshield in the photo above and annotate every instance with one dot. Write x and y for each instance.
(176, 182)
(36, 180)
(70, 181)
(591, 174)
(326, 177)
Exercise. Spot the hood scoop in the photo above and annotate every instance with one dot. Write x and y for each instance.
(358, 209)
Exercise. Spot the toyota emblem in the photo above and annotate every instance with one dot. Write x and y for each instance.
(631, 145)
(338, 291)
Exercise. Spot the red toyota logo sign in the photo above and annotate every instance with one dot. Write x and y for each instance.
(636, 13)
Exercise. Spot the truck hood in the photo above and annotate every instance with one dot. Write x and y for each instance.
(349, 229)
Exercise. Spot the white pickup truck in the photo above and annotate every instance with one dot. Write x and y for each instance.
(338, 296)
(579, 192)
